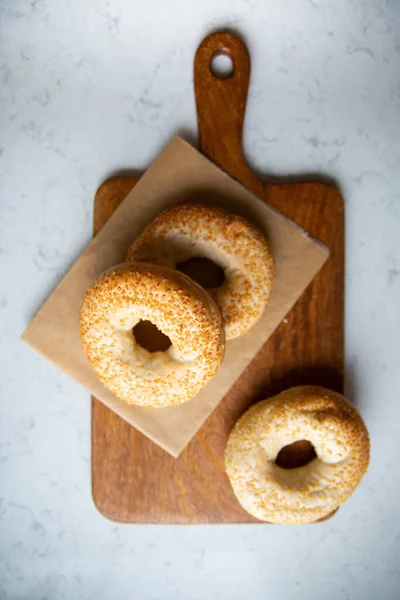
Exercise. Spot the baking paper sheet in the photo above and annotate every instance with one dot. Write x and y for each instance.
(179, 174)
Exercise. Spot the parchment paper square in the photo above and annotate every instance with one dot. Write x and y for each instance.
(180, 173)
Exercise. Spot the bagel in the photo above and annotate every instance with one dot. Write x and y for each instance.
(240, 249)
(130, 293)
(307, 493)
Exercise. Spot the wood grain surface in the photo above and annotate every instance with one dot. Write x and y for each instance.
(133, 480)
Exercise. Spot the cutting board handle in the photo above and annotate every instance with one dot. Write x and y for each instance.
(221, 101)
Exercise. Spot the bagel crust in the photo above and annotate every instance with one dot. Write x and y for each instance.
(192, 230)
(308, 493)
(129, 293)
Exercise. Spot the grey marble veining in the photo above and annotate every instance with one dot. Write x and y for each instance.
(90, 88)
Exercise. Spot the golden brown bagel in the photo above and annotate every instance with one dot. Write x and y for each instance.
(182, 310)
(308, 493)
(191, 230)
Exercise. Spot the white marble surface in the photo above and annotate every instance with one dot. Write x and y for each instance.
(88, 88)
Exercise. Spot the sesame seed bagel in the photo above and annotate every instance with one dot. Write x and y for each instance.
(304, 494)
(191, 230)
(129, 293)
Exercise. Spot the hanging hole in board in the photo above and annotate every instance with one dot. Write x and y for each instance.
(221, 65)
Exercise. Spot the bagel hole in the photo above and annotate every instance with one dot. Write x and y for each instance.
(148, 336)
(203, 270)
(296, 455)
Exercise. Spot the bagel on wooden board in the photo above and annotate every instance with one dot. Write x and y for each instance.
(130, 293)
(190, 231)
(308, 493)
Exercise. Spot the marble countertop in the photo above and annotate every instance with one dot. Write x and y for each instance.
(90, 88)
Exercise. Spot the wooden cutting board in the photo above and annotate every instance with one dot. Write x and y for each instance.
(134, 480)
